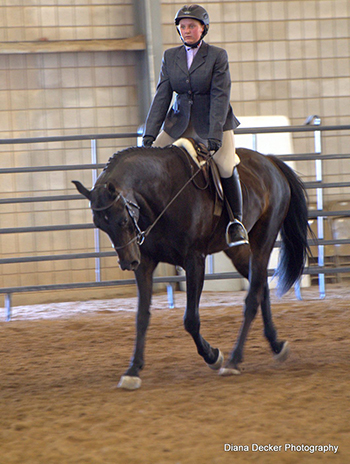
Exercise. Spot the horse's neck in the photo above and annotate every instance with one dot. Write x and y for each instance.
(153, 177)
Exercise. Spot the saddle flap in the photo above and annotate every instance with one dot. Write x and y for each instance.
(215, 175)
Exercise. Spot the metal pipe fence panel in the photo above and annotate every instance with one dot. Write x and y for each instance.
(96, 249)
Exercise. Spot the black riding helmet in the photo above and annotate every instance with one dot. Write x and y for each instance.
(194, 12)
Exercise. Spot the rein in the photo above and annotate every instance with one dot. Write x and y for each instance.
(141, 235)
(149, 228)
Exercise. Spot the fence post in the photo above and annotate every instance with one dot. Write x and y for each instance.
(319, 203)
(255, 142)
(170, 293)
(8, 306)
(96, 231)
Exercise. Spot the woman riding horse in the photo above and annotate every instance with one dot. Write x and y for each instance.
(199, 75)
(136, 201)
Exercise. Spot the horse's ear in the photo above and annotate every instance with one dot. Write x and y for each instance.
(81, 189)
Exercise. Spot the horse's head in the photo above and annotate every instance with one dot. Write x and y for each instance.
(117, 216)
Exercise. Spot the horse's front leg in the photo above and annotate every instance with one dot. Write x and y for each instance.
(144, 275)
(195, 268)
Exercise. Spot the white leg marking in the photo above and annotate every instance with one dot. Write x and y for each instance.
(225, 372)
(284, 353)
(129, 383)
(218, 363)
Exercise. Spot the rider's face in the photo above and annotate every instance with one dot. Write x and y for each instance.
(190, 30)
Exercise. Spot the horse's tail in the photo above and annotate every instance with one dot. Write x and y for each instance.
(294, 232)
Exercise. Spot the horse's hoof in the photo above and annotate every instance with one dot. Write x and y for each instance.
(226, 371)
(129, 382)
(283, 354)
(218, 363)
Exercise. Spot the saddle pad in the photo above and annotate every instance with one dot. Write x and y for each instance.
(188, 145)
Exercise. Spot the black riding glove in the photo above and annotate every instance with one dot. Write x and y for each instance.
(214, 144)
(147, 140)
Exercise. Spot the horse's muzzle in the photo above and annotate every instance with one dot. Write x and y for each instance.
(129, 266)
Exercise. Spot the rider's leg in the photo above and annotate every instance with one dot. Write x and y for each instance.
(236, 233)
(163, 140)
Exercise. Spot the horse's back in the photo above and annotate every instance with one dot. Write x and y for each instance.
(260, 173)
(255, 162)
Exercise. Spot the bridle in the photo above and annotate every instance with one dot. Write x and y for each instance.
(141, 235)
(129, 205)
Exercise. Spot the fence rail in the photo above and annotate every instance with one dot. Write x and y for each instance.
(320, 213)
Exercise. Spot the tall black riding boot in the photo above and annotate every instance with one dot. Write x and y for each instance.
(236, 233)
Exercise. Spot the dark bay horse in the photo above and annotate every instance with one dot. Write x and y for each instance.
(131, 196)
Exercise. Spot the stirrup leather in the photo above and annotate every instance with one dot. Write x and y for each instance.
(242, 239)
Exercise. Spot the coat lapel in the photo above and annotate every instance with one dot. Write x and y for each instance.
(200, 57)
(181, 59)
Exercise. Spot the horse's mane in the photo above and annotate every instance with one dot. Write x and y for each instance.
(126, 152)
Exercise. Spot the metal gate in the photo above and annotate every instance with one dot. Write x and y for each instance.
(320, 267)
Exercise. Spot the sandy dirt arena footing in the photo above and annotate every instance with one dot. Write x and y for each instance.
(60, 365)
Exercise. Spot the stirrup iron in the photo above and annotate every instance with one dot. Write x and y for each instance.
(242, 239)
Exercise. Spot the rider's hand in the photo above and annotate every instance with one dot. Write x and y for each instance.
(147, 141)
(214, 144)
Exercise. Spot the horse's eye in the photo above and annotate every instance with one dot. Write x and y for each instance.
(123, 222)
(106, 218)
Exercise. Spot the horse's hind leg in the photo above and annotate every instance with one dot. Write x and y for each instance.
(252, 303)
(279, 348)
(195, 267)
(258, 294)
(256, 267)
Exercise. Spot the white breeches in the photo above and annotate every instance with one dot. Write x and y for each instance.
(225, 158)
